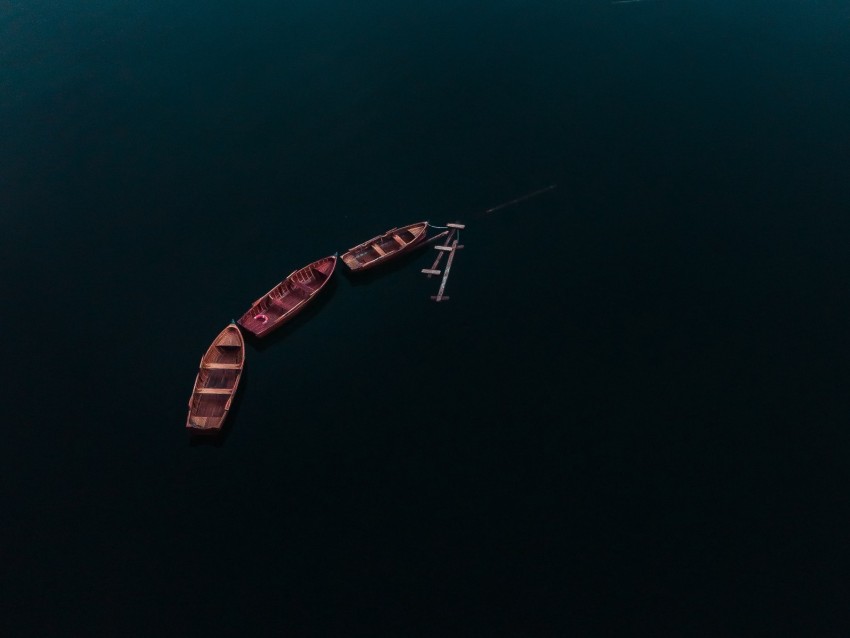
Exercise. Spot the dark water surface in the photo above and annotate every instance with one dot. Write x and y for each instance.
(630, 419)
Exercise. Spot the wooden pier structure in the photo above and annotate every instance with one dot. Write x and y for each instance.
(449, 247)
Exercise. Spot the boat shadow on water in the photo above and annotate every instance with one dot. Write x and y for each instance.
(218, 439)
(311, 310)
(370, 276)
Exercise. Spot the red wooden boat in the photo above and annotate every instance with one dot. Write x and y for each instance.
(216, 383)
(383, 248)
(288, 298)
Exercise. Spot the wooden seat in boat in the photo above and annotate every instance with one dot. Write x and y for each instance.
(229, 340)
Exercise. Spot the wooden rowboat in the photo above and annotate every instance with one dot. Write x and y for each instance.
(288, 298)
(383, 248)
(216, 383)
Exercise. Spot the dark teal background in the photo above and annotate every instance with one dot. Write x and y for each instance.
(630, 419)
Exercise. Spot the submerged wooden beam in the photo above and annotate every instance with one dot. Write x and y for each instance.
(442, 289)
(436, 237)
(439, 258)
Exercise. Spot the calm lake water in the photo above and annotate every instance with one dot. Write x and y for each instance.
(630, 419)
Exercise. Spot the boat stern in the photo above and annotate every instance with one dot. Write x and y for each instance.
(203, 426)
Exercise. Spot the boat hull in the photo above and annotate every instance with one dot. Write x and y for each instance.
(385, 247)
(216, 383)
(289, 298)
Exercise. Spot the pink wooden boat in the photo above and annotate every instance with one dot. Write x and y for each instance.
(216, 383)
(288, 298)
(383, 248)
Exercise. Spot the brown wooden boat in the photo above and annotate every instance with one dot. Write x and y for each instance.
(383, 248)
(216, 383)
(288, 298)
